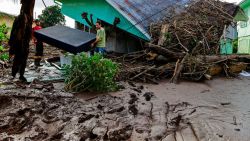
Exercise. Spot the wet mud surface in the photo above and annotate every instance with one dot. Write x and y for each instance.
(217, 110)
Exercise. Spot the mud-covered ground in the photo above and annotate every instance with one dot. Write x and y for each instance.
(216, 110)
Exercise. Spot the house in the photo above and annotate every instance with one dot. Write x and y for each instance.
(7, 19)
(230, 33)
(244, 30)
(130, 19)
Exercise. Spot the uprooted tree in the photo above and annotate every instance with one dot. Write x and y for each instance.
(184, 44)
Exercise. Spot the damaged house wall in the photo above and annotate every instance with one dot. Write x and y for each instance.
(117, 40)
(135, 18)
(230, 31)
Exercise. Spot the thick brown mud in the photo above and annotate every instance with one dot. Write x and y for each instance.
(217, 110)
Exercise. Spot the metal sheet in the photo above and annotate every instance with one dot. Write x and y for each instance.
(145, 12)
(65, 38)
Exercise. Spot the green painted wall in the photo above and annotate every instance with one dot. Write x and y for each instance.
(101, 10)
(244, 45)
(226, 46)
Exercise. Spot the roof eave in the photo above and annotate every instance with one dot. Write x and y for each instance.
(244, 4)
(131, 20)
(240, 15)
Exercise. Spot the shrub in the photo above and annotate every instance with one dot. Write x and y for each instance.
(90, 74)
(235, 45)
(4, 57)
(1, 48)
(3, 33)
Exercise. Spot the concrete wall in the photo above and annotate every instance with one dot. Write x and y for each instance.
(244, 35)
(244, 31)
(7, 20)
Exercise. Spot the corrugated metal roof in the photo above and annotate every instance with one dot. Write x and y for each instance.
(143, 12)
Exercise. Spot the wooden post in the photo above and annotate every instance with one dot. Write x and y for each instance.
(162, 38)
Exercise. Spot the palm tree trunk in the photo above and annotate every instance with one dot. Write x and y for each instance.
(20, 37)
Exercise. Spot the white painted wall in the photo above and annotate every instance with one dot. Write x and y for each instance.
(242, 32)
(244, 36)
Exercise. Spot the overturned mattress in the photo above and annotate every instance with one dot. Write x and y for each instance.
(65, 38)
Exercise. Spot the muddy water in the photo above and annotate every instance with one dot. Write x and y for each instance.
(216, 110)
(224, 106)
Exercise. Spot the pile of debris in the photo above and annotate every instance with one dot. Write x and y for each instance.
(186, 45)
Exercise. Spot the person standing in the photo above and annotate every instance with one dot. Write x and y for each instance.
(100, 42)
(38, 43)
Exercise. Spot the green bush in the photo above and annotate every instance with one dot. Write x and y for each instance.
(1, 48)
(90, 74)
(3, 33)
(4, 57)
(235, 45)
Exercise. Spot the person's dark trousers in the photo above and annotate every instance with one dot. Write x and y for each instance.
(39, 53)
(19, 63)
(92, 52)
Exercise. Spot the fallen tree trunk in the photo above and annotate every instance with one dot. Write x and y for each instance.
(165, 52)
(220, 58)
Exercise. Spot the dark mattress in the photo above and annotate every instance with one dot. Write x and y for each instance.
(65, 38)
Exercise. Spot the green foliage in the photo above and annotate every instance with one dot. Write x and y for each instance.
(52, 16)
(1, 48)
(3, 32)
(4, 57)
(90, 74)
(235, 45)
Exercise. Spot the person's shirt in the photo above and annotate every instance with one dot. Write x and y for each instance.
(102, 38)
(35, 29)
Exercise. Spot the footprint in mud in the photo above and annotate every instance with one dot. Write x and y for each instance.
(148, 96)
(5, 102)
(133, 98)
(133, 110)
